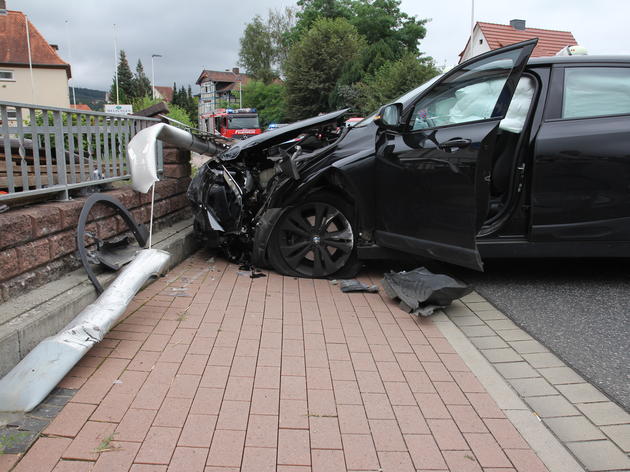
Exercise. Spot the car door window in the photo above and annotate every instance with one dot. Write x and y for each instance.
(469, 95)
(596, 91)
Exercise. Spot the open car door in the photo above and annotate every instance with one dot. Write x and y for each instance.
(433, 164)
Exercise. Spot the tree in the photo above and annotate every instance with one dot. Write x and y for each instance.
(141, 83)
(268, 99)
(256, 53)
(392, 80)
(125, 81)
(316, 63)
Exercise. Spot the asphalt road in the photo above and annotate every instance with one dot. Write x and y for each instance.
(580, 310)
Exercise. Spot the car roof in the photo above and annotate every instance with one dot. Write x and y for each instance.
(577, 59)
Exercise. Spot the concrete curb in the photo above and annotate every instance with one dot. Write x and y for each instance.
(551, 451)
(46, 310)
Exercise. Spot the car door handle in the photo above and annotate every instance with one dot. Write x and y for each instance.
(417, 160)
(455, 143)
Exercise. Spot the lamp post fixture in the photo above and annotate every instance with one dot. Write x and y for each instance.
(153, 56)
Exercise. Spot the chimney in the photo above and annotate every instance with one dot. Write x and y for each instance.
(234, 69)
(3, 7)
(54, 46)
(517, 24)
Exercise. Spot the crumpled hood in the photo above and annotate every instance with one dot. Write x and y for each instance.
(280, 135)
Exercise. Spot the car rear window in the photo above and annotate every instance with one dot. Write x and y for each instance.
(596, 91)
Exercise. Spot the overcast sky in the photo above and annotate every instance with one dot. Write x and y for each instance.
(195, 34)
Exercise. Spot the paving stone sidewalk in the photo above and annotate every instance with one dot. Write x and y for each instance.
(212, 370)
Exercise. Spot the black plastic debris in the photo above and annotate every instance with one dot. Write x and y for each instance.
(353, 285)
(253, 272)
(421, 292)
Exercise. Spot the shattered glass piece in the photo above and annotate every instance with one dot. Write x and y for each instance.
(420, 291)
(353, 285)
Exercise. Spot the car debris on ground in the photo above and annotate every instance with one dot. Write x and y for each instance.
(421, 292)
(353, 285)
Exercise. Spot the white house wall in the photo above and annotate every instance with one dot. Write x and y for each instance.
(51, 87)
(477, 46)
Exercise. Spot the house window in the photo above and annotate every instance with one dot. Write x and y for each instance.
(6, 75)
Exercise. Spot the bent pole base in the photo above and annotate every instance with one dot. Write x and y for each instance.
(35, 376)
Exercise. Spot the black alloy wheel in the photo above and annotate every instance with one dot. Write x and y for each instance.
(313, 239)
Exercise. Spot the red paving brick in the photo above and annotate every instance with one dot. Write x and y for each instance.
(273, 374)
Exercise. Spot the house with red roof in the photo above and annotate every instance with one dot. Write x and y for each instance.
(163, 93)
(489, 36)
(48, 84)
(220, 86)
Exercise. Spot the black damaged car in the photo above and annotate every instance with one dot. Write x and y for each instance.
(503, 156)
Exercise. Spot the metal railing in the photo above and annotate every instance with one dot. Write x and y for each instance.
(47, 150)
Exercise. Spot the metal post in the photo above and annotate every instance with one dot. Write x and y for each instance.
(153, 75)
(116, 63)
(74, 97)
(30, 58)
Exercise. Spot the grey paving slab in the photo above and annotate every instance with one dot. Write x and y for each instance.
(501, 355)
(541, 360)
(600, 455)
(605, 413)
(468, 321)
(535, 387)
(574, 428)
(552, 406)
(620, 435)
(582, 393)
(516, 370)
(499, 325)
(472, 331)
(561, 375)
(481, 306)
(528, 347)
(491, 315)
(514, 335)
(489, 342)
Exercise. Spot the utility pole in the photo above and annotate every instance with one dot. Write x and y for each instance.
(116, 63)
(153, 75)
(74, 97)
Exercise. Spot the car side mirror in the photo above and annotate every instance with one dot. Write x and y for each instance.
(389, 117)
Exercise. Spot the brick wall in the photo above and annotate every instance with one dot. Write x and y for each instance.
(38, 242)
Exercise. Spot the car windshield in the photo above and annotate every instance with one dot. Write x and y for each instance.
(241, 122)
(402, 99)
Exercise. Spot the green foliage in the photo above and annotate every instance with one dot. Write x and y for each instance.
(176, 112)
(316, 63)
(268, 99)
(125, 81)
(392, 80)
(256, 53)
(265, 44)
(183, 99)
(141, 85)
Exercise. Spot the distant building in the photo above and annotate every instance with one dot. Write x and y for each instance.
(49, 84)
(490, 36)
(163, 93)
(81, 106)
(220, 86)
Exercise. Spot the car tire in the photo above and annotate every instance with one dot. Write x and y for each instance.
(315, 239)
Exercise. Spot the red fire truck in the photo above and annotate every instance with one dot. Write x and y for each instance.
(238, 123)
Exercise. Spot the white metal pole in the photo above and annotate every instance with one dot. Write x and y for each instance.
(116, 64)
(240, 92)
(30, 59)
(152, 78)
(74, 97)
(472, 21)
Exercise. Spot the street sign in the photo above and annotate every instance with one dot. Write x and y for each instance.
(119, 109)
